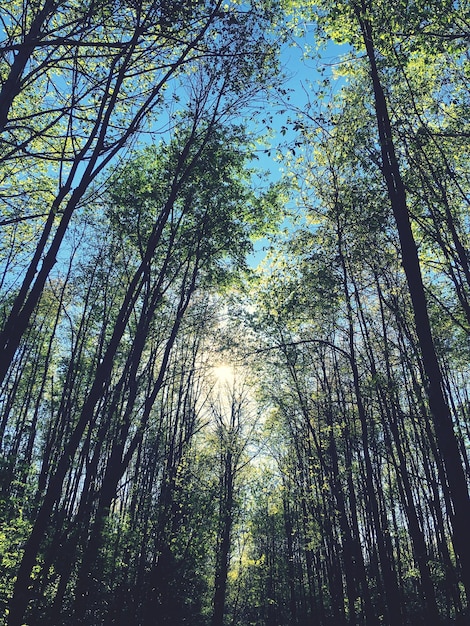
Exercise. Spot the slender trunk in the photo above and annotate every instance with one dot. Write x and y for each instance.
(223, 550)
(384, 548)
(288, 528)
(354, 560)
(416, 534)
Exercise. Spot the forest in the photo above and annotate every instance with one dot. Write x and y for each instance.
(234, 313)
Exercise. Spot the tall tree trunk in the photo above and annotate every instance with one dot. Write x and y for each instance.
(391, 410)
(223, 549)
(384, 547)
(442, 419)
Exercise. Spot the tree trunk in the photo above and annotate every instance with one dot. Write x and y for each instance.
(442, 419)
(223, 550)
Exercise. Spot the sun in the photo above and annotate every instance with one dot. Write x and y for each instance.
(224, 375)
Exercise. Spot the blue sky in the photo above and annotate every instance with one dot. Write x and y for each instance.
(303, 71)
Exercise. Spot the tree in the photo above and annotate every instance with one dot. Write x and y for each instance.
(233, 431)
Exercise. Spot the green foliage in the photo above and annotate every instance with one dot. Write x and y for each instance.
(215, 215)
(14, 531)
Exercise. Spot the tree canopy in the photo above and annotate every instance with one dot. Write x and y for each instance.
(192, 435)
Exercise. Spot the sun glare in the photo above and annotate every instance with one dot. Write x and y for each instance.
(224, 375)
